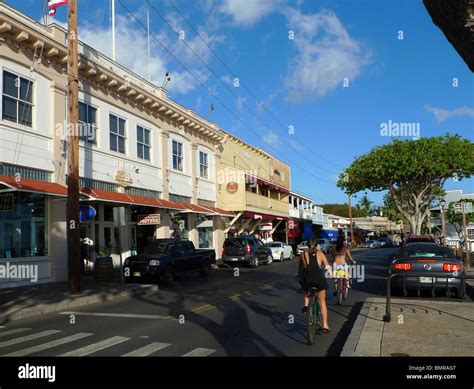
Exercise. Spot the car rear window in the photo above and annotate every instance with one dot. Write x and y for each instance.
(274, 245)
(421, 250)
(239, 242)
(321, 241)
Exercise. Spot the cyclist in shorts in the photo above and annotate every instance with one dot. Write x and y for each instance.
(340, 267)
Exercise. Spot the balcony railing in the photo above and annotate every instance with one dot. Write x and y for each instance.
(266, 203)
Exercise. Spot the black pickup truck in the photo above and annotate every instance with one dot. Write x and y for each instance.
(162, 259)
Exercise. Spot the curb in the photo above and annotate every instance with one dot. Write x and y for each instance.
(74, 302)
(366, 336)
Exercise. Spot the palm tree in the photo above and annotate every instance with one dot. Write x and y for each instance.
(365, 204)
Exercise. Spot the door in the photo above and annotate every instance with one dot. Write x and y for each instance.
(260, 250)
(180, 257)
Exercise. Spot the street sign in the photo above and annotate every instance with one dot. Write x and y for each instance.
(457, 208)
(151, 219)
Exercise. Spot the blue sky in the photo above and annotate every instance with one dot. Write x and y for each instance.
(299, 81)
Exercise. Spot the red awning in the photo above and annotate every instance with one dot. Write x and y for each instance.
(26, 185)
(262, 182)
(123, 198)
(221, 212)
(262, 216)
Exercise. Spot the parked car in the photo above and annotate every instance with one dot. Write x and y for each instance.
(246, 249)
(386, 242)
(373, 244)
(303, 246)
(324, 245)
(163, 259)
(427, 266)
(419, 239)
(280, 251)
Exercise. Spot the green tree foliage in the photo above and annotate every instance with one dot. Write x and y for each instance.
(342, 210)
(413, 171)
(456, 218)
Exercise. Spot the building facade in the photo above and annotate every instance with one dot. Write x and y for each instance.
(148, 166)
(255, 186)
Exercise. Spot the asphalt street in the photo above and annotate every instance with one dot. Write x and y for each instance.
(252, 312)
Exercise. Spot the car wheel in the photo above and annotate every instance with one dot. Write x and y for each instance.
(255, 262)
(282, 257)
(205, 269)
(269, 260)
(168, 275)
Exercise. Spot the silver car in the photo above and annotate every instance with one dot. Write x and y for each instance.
(303, 246)
(373, 244)
(324, 245)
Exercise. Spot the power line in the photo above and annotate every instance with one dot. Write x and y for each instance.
(227, 87)
(214, 95)
(268, 111)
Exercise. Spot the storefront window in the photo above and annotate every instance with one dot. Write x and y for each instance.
(179, 228)
(108, 213)
(205, 232)
(23, 225)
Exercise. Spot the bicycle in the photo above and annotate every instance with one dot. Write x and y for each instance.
(342, 289)
(313, 317)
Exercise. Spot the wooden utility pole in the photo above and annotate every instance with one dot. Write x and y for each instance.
(350, 220)
(72, 219)
(466, 240)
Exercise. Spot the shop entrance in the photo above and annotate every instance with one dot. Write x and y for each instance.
(145, 235)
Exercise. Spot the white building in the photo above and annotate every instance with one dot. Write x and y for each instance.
(141, 151)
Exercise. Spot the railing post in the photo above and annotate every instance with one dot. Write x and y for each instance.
(387, 316)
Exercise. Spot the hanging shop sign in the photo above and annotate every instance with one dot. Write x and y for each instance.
(232, 187)
(151, 219)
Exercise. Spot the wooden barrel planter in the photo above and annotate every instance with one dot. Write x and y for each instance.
(104, 269)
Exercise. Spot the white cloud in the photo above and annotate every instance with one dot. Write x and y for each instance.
(249, 12)
(441, 114)
(131, 52)
(326, 54)
(271, 138)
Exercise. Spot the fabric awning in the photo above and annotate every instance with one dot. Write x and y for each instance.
(262, 216)
(262, 182)
(26, 185)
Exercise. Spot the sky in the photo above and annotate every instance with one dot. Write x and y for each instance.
(309, 81)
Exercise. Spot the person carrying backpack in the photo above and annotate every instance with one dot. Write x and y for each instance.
(312, 276)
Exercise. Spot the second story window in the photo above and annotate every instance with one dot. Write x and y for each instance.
(17, 99)
(203, 165)
(117, 134)
(143, 143)
(177, 155)
(88, 122)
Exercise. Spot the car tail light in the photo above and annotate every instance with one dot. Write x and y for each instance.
(247, 249)
(403, 266)
(451, 267)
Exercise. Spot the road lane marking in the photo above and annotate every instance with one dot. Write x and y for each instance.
(123, 315)
(28, 337)
(147, 350)
(94, 347)
(15, 331)
(48, 345)
(200, 352)
(237, 296)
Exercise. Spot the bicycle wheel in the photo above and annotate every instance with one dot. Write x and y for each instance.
(339, 291)
(310, 325)
(346, 289)
(318, 317)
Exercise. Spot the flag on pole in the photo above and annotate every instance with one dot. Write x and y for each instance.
(54, 4)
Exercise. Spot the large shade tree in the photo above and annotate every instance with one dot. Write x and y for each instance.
(413, 171)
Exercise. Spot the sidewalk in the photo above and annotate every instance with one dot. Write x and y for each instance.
(27, 301)
(418, 328)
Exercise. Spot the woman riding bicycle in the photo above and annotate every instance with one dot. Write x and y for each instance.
(339, 253)
(311, 261)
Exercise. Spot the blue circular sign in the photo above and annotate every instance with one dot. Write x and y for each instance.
(86, 212)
